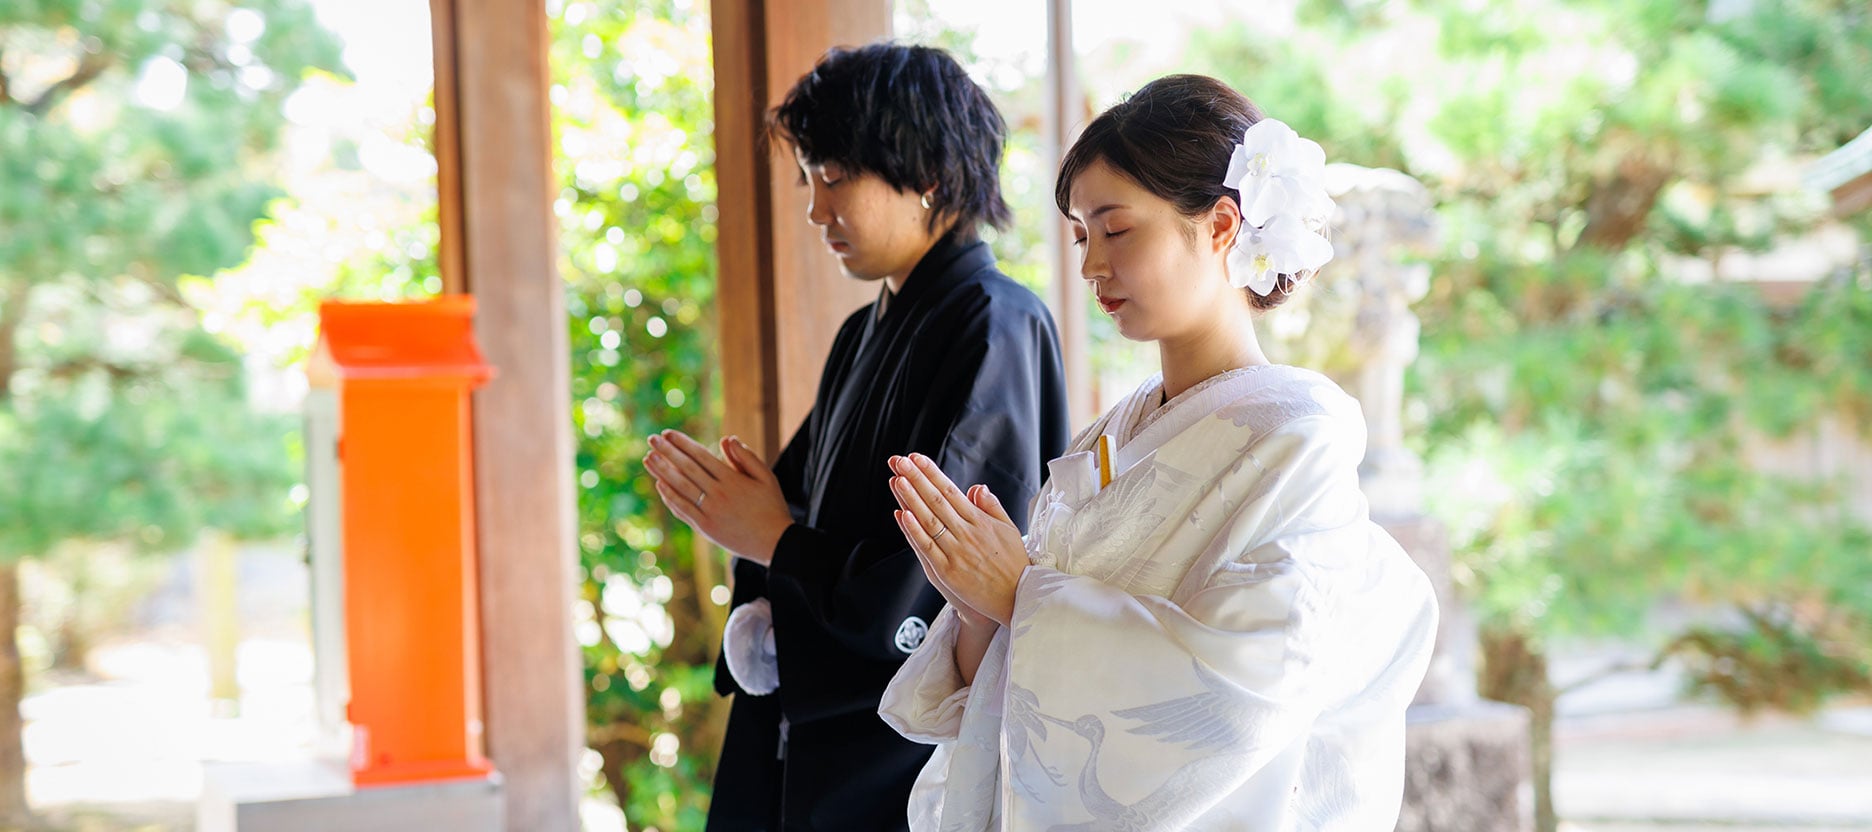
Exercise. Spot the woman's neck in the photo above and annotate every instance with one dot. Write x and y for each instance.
(1227, 343)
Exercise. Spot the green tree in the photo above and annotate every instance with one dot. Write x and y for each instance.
(633, 116)
(637, 215)
(1585, 407)
(134, 144)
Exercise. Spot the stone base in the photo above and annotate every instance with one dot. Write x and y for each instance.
(1451, 675)
(317, 796)
(1466, 769)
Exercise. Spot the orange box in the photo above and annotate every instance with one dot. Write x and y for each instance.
(403, 372)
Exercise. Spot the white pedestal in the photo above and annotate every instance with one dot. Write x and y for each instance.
(317, 796)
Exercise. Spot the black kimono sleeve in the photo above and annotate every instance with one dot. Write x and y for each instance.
(750, 578)
(993, 415)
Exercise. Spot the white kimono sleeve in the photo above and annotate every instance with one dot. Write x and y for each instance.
(927, 702)
(1187, 710)
(924, 701)
(1223, 687)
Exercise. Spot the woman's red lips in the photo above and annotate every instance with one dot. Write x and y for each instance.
(1110, 305)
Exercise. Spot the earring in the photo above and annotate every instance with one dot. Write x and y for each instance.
(926, 202)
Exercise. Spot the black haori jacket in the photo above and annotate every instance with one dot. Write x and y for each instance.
(963, 366)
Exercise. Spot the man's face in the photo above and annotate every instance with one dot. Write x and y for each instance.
(875, 230)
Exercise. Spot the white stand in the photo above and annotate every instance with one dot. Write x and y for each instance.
(317, 796)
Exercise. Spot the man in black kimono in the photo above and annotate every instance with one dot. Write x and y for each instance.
(954, 360)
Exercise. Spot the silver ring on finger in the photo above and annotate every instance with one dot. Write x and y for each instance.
(700, 498)
(940, 531)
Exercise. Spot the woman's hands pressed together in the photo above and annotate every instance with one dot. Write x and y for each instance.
(969, 546)
(733, 500)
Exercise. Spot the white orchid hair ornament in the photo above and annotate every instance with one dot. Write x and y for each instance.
(1281, 179)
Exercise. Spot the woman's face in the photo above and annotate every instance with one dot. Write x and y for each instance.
(1158, 274)
(875, 230)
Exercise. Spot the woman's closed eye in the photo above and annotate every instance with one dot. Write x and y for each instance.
(1080, 239)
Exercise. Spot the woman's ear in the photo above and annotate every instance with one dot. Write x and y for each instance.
(1225, 224)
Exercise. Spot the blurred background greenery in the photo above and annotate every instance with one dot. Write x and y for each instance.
(1639, 311)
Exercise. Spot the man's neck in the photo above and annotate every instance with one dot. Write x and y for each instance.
(895, 281)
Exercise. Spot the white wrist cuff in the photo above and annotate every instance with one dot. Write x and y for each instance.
(748, 647)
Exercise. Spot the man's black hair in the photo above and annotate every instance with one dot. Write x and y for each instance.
(909, 115)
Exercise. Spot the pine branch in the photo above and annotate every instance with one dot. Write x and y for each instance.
(89, 68)
(1645, 666)
(122, 372)
(1617, 208)
(75, 367)
(164, 290)
(626, 732)
(100, 293)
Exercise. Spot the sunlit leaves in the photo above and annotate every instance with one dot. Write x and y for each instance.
(137, 144)
(1593, 413)
(633, 116)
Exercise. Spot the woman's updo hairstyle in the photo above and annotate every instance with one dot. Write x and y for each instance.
(1173, 138)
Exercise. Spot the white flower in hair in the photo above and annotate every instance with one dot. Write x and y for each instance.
(1281, 179)
(1278, 172)
(1282, 246)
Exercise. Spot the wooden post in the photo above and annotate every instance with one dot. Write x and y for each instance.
(220, 595)
(494, 150)
(1065, 117)
(447, 146)
(781, 296)
(1852, 196)
(744, 244)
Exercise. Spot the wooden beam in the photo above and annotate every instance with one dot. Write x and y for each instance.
(1065, 118)
(447, 147)
(780, 296)
(494, 144)
(744, 292)
(1853, 196)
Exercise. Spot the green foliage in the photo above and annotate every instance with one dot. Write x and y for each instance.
(1590, 406)
(1612, 403)
(1584, 413)
(152, 461)
(99, 179)
(1587, 410)
(135, 149)
(633, 114)
(635, 121)
(1775, 662)
(1287, 75)
(1590, 416)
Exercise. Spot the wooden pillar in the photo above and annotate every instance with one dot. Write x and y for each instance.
(1065, 118)
(494, 152)
(447, 145)
(1852, 196)
(781, 296)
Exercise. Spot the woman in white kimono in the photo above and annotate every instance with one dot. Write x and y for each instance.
(1219, 638)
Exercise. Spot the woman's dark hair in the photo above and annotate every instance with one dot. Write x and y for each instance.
(1173, 138)
(911, 116)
